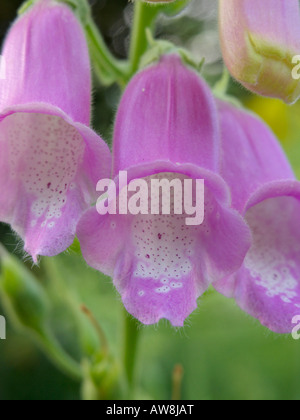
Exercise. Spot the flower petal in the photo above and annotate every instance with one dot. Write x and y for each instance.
(160, 265)
(265, 191)
(268, 286)
(252, 158)
(166, 129)
(46, 59)
(49, 168)
(174, 115)
(251, 154)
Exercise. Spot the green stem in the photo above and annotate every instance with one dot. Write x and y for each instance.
(131, 339)
(144, 16)
(107, 68)
(59, 357)
(221, 86)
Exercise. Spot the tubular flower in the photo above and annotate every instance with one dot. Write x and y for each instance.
(166, 129)
(50, 161)
(259, 42)
(265, 192)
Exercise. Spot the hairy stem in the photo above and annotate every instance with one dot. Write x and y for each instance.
(144, 16)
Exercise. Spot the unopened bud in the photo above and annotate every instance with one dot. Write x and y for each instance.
(259, 42)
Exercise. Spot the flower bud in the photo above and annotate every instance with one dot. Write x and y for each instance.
(259, 42)
(102, 380)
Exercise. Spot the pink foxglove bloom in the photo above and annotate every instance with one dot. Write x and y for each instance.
(260, 41)
(166, 128)
(265, 191)
(50, 161)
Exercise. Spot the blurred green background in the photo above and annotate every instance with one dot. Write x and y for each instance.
(225, 353)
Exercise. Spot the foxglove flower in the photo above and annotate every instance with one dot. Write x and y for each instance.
(50, 161)
(166, 128)
(259, 42)
(265, 191)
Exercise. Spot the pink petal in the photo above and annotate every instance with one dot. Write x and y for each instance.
(161, 266)
(166, 126)
(47, 60)
(251, 155)
(49, 168)
(166, 113)
(264, 189)
(251, 159)
(268, 286)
